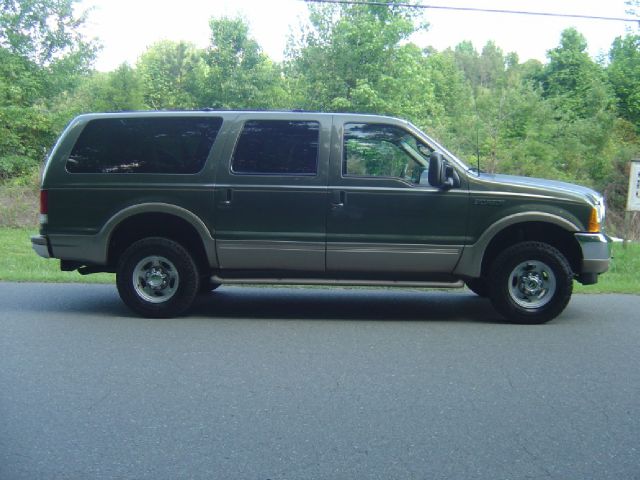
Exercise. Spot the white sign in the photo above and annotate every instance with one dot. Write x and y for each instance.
(633, 200)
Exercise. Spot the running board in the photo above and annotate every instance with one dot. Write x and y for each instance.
(337, 282)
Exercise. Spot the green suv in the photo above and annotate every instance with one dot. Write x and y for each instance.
(176, 203)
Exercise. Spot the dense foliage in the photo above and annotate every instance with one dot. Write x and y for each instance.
(570, 118)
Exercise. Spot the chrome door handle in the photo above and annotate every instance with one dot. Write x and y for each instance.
(227, 201)
(339, 199)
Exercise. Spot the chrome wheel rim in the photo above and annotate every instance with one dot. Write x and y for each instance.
(155, 279)
(532, 284)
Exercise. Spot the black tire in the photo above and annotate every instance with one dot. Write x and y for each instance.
(530, 283)
(157, 278)
(479, 286)
(207, 285)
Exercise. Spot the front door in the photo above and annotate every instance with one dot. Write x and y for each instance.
(383, 216)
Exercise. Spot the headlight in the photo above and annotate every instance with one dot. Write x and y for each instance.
(601, 211)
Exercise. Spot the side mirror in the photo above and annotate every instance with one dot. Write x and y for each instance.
(441, 174)
(435, 169)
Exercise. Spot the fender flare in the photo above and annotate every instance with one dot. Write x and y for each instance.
(208, 241)
(470, 264)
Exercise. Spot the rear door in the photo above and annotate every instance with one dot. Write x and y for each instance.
(271, 196)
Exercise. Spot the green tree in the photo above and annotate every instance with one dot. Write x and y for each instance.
(492, 65)
(168, 73)
(42, 31)
(582, 103)
(466, 58)
(517, 130)
(236, 73)
(115, 91)
(454, 119)
(624, 74)
(357, 58)
(572, 77)
(48, 34)
(42, 54)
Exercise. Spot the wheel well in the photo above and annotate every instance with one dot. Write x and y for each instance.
(164, 225)
(548, 233)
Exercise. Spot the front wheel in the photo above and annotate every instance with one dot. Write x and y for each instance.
(479, 286)
(530, 283)
(157, 278)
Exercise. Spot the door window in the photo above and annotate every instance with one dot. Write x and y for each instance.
(277, 147)
(377, 150)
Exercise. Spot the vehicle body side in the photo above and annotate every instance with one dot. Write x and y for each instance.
(320, 227)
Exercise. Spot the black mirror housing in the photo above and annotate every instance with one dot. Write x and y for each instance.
(441, 173)
(436, 164)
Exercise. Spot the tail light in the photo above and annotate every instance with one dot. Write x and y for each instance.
(44, 206)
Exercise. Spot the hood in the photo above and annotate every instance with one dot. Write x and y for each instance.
(544, 186)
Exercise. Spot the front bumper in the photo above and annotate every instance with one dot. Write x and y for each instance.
(40, 245)
(596, 252)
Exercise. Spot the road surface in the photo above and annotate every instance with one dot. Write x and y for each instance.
(280, 383)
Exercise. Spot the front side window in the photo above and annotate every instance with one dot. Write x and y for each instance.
(377, 150)
(144, 145)
(277, 147)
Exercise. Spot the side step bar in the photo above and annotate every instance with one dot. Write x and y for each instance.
(338, 282)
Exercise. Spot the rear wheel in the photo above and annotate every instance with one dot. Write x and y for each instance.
(157, 277)
(530, 283)
(207, 285)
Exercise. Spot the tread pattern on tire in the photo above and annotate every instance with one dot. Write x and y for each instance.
(502, 267)
(182, 259)
(207, 286)
(479, 286)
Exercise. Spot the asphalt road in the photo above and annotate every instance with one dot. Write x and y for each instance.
(315, 384)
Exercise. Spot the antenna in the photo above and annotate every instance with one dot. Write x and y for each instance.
(477, 123)
(478, 146)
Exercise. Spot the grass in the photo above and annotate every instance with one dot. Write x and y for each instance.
(622, 276)
(21, 264)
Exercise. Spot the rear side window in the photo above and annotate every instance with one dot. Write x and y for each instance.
(277, 147)
(144, 145)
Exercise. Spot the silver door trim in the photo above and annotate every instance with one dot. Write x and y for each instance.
(271, 254)
(387, 257)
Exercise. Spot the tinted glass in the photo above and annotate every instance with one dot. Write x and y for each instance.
(144, 145)
(374, 150)
(277, 147)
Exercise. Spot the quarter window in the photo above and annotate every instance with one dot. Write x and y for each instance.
(277, 147)
(144, 145)
(377, 150)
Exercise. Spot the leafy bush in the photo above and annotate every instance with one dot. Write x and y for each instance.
(16, 166)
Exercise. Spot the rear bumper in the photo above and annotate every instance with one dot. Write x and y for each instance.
(596, 252)
(40, 245)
